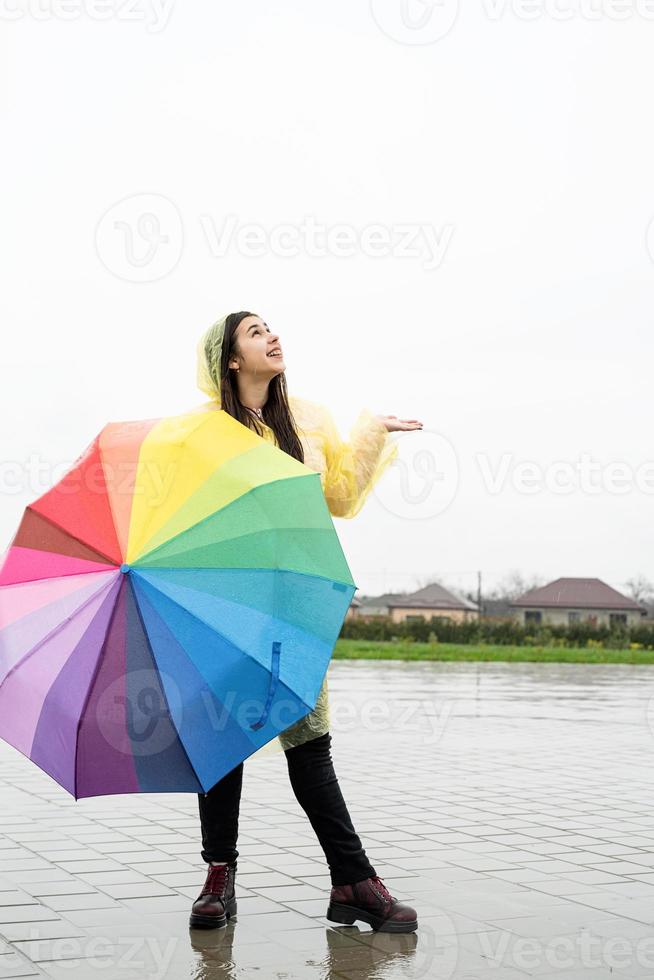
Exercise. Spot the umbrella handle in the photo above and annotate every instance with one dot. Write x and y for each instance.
(274, 679)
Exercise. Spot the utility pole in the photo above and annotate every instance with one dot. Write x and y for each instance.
(479, 594)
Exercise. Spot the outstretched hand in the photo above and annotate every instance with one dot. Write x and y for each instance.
(393, 424)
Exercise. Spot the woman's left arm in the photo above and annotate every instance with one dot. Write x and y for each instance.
(354, 467)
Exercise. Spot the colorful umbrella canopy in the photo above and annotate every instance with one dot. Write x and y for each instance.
(168, 607)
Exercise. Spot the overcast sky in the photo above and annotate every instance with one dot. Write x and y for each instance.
(444, 213)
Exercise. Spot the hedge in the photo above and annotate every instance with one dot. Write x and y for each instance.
(500, 631)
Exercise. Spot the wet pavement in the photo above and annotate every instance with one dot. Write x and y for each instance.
(511, 805)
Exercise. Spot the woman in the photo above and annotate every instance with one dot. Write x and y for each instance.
(241, 367)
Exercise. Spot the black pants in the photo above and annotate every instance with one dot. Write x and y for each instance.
(316, 788)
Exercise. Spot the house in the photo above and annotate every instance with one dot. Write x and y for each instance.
(353, 608)
(433, 600)
(367, 607)
(577, 600)
(497, 608)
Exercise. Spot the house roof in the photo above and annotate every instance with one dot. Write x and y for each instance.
(380, 600)
(433, 596)
(497, 607)
(579, 593)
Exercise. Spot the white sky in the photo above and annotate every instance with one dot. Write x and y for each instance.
(520, 148)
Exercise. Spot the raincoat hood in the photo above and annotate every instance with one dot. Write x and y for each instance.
(209, 352)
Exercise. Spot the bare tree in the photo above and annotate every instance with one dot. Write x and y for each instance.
(430, 579)
(514, 584)
(640, 588)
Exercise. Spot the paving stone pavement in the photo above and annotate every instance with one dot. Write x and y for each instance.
(512, 805)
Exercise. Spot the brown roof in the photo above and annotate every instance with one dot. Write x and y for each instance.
(579, 593)
(380, 600)
(432, 597)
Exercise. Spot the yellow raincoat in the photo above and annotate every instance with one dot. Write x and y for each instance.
(348, 472)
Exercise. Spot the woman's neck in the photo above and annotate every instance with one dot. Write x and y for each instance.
(253, 393)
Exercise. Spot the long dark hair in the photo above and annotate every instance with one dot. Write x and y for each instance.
(276, 412)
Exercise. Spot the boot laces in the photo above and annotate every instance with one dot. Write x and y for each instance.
(216, 880)
(382, 888)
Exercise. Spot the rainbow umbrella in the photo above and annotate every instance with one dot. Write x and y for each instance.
(168, 607)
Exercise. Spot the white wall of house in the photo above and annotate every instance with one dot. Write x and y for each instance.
(567, 617)
(373, 611)
(400, 613)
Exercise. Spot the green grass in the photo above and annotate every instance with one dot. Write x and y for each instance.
(386, 650)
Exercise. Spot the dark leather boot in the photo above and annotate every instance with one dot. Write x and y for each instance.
(371, 901)
(216, 903)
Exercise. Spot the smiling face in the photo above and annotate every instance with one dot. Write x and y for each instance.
(255, 344)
